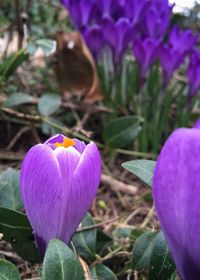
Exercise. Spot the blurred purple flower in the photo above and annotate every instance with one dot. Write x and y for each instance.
(172, 54)
(110, 8)
(170, 61)
(193, 73)
(156, 19)
(182, 40)
(81, 11)
(176, 192)
(95, 40)
(59, 180)
(118, 35)
(145, 52)
(134, 9)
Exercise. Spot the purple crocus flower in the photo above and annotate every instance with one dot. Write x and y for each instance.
(172, 55)
(93, 37)
(59, 180)
(193, 73)
(156, 19)
(170, 61)
(145, 52)
(118, 35)
(108, 7)
(81, 11)
(134, 9)
(176, 192)
(182, 40)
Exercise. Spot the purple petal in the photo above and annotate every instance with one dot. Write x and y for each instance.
(68, 160)
(41, 188)
(145, 51)
(86, 7)
(109, 31)
(94, 39)
(56, 138)
(125, 34)
(80, 145)
(176, 191)
(170, 61)
(82, 190)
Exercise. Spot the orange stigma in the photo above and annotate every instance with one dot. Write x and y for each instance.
(67, 142)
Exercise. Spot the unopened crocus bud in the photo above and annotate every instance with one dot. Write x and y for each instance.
(176, 192)
(59, 180)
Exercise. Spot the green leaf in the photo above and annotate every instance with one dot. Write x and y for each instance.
(18, 99)
(135, 233)
(9, 190)
(47, 45)
(120, 132)
(142, 250)
(102, 272)
(102, 241)
(161, 265)
(16, 230)
(142, 168)
(11, 63)
(8, 271)
(85, 241)
(49, 104)
(61, 263)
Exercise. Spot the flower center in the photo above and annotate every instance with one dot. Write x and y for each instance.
(67, 142)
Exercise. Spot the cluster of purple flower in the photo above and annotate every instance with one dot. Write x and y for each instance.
(144, 23)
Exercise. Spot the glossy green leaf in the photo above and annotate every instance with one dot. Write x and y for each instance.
(120, 132)
(61, 263)
(142, 250)
(49, 104)
(9, 190)
(142, 168)
(18, 99)
(8, 271)
(102, 272)
(17, 231)
(11, 63)
(85, 241)
(161, 265)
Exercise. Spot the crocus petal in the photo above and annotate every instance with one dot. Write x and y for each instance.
(41, 187)
(176, 191)
(123, 27)
(79, 146)
(82, 190)
(68, 160)
(86, 7)
(56, 138)
(110, 32)
(94, 39)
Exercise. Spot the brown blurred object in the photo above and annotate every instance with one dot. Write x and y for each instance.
(75, 68)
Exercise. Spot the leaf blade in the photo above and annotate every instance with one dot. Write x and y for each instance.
(143, 169)
(61, 263)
